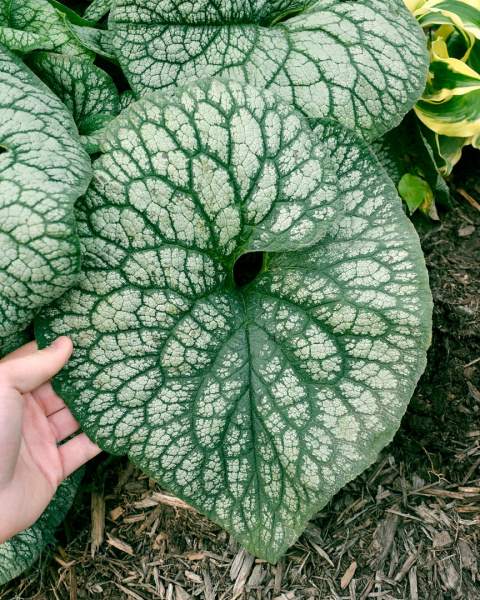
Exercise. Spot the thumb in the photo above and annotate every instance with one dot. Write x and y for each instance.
(26, 373)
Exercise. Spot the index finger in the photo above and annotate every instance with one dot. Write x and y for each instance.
(22, 351)
(26, 373)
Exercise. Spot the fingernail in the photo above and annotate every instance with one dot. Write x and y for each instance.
(60, 342)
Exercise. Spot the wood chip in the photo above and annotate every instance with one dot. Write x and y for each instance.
(322, 553)
(209, 593)
(469, 561)
(159, 498)
(116, 513)
(119, 544)
(412, 581)
(257, 576)
(383, 538)
(407, 565)
(472, 201)
(181, 594)
(348, 575)
(98, 519)
(441, 539)
(240, 569)
(129, 592)
(193, 576)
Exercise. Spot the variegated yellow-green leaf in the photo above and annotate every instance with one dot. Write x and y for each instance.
(43, 170)
(254, 403)
(464, 14)
(451, 102)
(361, 62)
(450, 105)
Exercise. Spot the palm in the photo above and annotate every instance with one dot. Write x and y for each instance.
(42, 431)
(33, 421)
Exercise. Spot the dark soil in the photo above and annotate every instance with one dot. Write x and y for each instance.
(409, 527)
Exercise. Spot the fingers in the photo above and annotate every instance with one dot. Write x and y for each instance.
(28, 372)
(22, 351)
(76, 452)
(48, 399)
(63, 424)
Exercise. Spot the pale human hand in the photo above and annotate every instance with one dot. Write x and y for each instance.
(33, 420)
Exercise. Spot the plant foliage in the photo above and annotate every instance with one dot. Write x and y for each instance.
(43, 170)
(450, 105)
(359, 62)
(254, 404)
(253, 401)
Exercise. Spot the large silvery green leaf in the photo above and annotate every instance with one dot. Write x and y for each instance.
(254, 404)
(85, 89)
(43, 170)
(21, 552)
(363, 63)
(39, 17)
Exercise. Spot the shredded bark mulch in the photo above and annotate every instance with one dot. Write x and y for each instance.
(408, 528)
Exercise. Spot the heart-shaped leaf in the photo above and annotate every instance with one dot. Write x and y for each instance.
(363, 63)
(43, 171)
(254, 403)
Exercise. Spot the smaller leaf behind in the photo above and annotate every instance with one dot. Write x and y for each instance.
(41, 18)
(87, 91)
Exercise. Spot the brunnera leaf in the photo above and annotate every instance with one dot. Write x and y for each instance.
(253, 403)
(20, 552)
(86, 90)
(362, 62)
(41, 18)
(43, 171)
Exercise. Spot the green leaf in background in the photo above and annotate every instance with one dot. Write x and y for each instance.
(405, 150)
(417, 194)
(41, 18)
(254, 403)
(21, 552)
(43, 171)
(87, 91)
(363, 63)
(126, 98)
(71, 15)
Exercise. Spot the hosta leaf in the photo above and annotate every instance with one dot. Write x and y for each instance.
(363, 62)
(43, 170)
(41, 18)
(87, 91)
(255, 404)
(21, 552)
